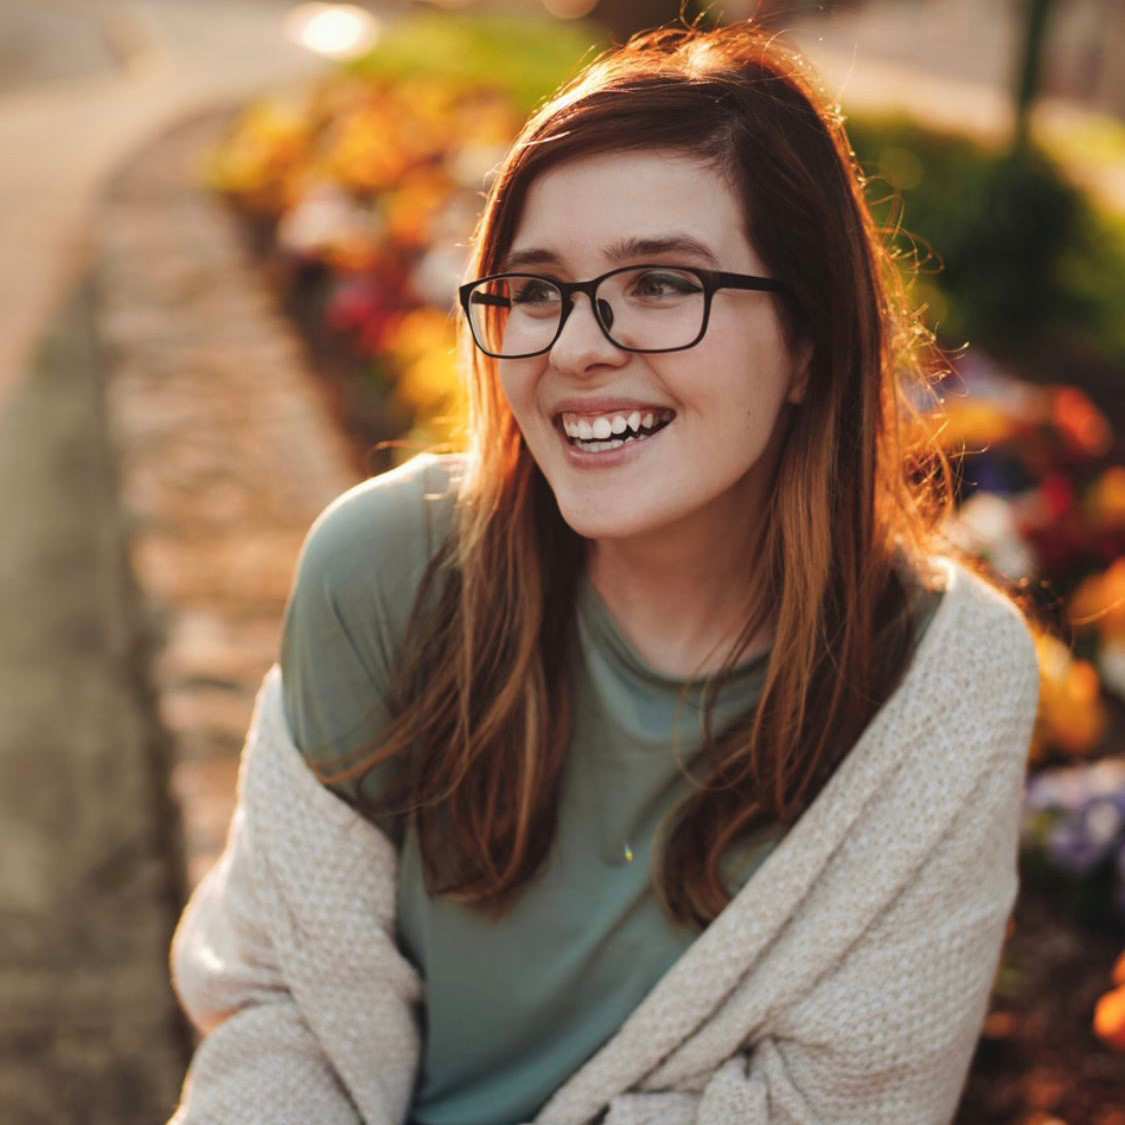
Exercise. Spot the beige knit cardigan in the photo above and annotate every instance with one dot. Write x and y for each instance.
(846, 983)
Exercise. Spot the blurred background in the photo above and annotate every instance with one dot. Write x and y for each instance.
(230, 234)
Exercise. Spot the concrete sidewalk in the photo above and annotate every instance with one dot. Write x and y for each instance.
(90, 881)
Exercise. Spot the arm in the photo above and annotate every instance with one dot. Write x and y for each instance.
(286, 960)
(285, 957)
(888, 1035)
(259, 1061)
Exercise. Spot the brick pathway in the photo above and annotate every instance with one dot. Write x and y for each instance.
(227, 454)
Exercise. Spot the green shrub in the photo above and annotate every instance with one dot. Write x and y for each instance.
(1009, 253)
(526, 57)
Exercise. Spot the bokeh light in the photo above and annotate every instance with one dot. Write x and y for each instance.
(339, 31)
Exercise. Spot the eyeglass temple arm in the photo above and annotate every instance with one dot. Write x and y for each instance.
(490, 299)
(745, 281)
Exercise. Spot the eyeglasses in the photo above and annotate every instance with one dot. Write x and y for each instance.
(657, 308)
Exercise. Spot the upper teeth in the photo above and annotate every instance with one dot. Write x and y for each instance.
(605, 426)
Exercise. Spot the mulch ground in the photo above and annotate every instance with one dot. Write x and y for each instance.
(1038, 1061)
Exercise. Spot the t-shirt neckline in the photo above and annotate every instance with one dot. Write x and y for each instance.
(599, 624)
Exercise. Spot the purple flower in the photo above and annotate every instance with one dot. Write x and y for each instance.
(1068, 789)
(1082, 839)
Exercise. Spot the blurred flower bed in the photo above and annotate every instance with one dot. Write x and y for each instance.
(1042, 500)
(361, 192)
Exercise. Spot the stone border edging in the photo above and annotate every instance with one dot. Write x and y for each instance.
(227, 454)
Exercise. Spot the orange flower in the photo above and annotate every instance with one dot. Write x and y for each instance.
(356, 255)
(1072, 716)
(1080, 422)
(1109, 1012)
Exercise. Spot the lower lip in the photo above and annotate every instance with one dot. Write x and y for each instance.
(607, 458)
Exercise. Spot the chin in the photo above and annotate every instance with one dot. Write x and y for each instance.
(603, 524)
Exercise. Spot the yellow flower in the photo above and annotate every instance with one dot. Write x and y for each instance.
(430, 104)
(421, 331)
(431, 385)
(363, 149)
(263, 154)
(973, 424)
(423, 347)
(1106, 501)
(487, 119)
(1072, 716)
(411, 210)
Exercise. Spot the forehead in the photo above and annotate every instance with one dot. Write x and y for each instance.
(591, 205)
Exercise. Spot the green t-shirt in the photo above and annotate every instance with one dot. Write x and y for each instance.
(513, 1008)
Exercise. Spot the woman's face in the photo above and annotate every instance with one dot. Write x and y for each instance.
(704, 470)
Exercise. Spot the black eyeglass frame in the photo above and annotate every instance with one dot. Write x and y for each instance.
(710, 281)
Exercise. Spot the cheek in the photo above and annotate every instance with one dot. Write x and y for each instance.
(758, 366)
(513, 384)
(739, 395)
(519, 383)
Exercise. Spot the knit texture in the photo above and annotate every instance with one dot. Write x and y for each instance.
(845, 984)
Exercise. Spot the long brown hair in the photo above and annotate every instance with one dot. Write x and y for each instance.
(482, 705)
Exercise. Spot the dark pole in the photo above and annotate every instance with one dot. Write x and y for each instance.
(1035, 36)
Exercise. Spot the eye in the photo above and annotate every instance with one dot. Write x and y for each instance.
(534, 292)
(656, 285)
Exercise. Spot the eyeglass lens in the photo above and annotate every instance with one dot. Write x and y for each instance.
(645, 309)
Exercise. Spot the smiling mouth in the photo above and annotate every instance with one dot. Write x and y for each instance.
(600, 432)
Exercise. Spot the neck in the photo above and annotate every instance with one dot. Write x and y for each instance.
(680, 599)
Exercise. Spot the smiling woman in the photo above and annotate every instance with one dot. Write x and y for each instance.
(646, 762)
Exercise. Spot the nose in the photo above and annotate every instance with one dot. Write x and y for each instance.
(582, 345)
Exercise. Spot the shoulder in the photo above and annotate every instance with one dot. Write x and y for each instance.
(408, 510)
(364, 559)
(352, 600)
(979, 617)
(374, 542)
(977, 659)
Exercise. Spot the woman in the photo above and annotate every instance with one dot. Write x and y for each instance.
(643, 762)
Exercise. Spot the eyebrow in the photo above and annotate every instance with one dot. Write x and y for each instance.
(620, 250)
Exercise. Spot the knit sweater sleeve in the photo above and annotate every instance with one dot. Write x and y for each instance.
(888, 1033)
(285, 957)
(915, 992)
(259, 1060)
